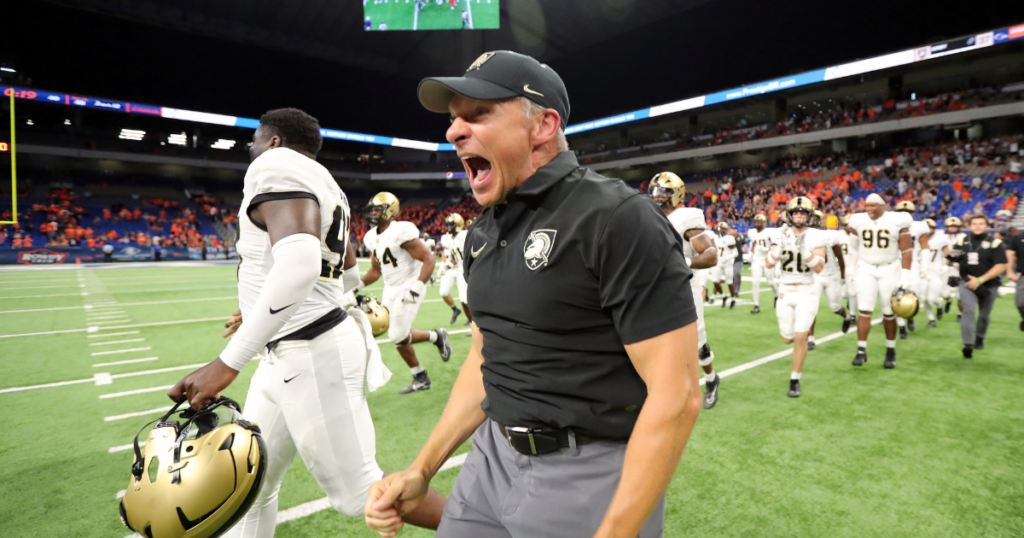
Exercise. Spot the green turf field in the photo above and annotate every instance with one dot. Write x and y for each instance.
(933, 448)
(402, 14)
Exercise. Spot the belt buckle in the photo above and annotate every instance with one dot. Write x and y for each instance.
(529, 435)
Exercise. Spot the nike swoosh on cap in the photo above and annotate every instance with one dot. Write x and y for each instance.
(528, 90)
(272, 311)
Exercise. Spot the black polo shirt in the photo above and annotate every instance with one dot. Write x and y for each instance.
(1016, 244)
(560, 278)
(978, 254)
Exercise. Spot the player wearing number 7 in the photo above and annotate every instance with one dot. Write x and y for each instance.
(400, 255)
(885, 254)
(800, 253)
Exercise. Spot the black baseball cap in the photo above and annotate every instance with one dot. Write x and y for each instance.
(496, 75)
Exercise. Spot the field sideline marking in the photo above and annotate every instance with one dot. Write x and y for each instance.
(147, 359)
(131, 392)
(153, 324)
(111, 334)
(92, 308)
(137, 414)
(117, 342)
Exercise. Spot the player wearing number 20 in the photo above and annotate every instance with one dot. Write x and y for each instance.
(885, 250)
(800, 252)
(406, 264)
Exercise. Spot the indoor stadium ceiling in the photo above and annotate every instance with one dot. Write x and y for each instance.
(332, 29)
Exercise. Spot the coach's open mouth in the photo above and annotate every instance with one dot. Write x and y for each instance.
(478, 168)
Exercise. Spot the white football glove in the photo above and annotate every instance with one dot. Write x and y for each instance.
(414, 292)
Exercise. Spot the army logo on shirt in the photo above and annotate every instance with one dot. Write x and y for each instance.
(538, 247)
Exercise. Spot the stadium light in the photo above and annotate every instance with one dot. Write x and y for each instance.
(30, 122)
(131, 134)
(178, 139)
(8, 69)
(223, 144)
(67, 122)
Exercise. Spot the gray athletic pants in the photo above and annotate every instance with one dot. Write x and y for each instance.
(971, 304)
(1019, 297)
(737, 273)
(501, 493)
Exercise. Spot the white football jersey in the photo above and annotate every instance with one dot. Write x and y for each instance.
(795, 251)
(880, 239)
(396, 264)
(683, 220)
(833, 238)
(727, 251)
(454, 249)
(761, 242)
(430, 244)
(933, 259)
(281, 173)
(851, 253)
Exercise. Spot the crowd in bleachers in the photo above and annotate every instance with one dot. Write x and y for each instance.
(428, 216)
(64, 219)
(836, 114)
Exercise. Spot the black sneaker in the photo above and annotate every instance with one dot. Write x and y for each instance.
(794, 388)
(420, 381)
(811, 345)
(890, 358)
(931, 324)
(775, 302)
(725, 301)
(468, 323)
(757, 310)
(903, 333)
(1022, 326)
(847, 322)
(861, 358)
(938, 313)
(443, 347)
(711, 392)
(948, 305)
(979, 343)
(910, 325)
(958, 316)
(455, 316)
(732, 304)
(968, 351)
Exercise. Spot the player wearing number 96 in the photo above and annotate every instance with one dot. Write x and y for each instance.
(885, 250)
(800, 252)
(399, 254)
(307, 394)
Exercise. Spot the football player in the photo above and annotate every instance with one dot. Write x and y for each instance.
(668, 190)
(918, 229)
(453, 242)
(722, 272)
(432, 247)
(934, 246)
(831, 281)
(307, 393)
(760, 243)
(800, 251)
(953, 229)
(850, 257)
(884, 253)
(398, 253)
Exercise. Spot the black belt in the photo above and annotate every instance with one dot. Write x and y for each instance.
(534, 441)
(322, 324)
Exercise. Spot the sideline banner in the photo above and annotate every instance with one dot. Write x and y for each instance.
(129, 253)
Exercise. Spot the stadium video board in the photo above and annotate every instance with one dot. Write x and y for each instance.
(386, 15)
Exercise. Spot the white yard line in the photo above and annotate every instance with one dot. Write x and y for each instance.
(97, 309)
(47, 385)
(137, 325)
(131, 361)
(110, 315)
(159, 370)
(117, 342)
(137, 414)
(122, 448)
(98, 353)
(131, 392)
(94, 323)
(111, 334)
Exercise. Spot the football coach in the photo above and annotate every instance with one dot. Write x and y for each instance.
(580, 389)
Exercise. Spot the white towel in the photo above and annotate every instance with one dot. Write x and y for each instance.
(377, 375)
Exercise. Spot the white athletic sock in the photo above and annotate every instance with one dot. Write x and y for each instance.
(416, 370)
(901, 322)
(795, 375)
(710, 378)
(433, 335)
(891, 344)
(810, 339)
(862, 344)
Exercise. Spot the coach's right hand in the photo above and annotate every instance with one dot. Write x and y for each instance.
(392, 497)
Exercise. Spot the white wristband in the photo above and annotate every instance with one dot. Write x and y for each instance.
(814, 261)
(296, 268)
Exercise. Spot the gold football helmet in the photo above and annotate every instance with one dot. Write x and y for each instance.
(667, 189)
(954, 221)
(904, 303)
(906, 206)
(844, 220)
(800, 203)
(760, 218)
(454, 223)
(380, 318)
(819, 219)
(198, 474)
(388, 204)
(722, 227)
(930, 223)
